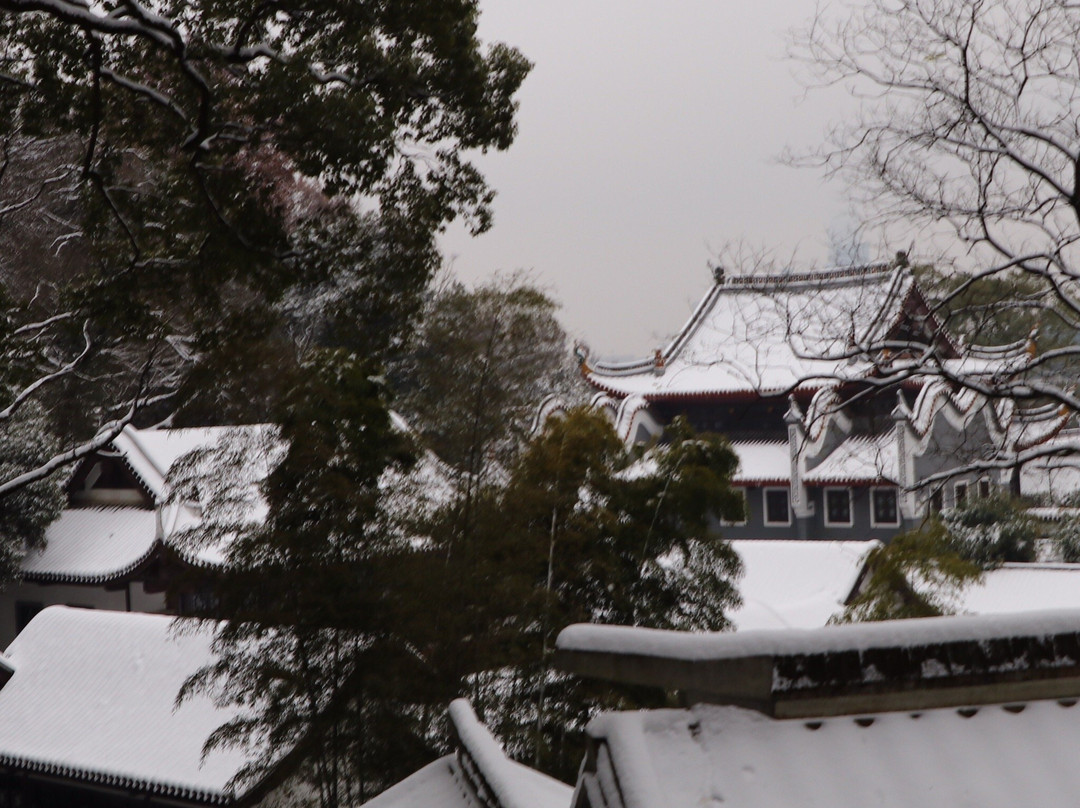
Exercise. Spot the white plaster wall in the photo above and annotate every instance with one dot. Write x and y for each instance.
(96, 597)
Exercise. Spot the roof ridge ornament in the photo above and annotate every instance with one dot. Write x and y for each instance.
(658, 362)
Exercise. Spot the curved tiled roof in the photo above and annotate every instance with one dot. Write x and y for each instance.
(93, 697)
(93, 546)
(768, 334)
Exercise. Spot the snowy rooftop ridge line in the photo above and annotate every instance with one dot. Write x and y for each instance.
(770, 334)
(843, 669)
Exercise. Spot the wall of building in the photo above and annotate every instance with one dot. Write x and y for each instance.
(813, 527)
(862, 525)
(18, 600)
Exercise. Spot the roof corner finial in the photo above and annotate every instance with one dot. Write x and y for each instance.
(794, 414)
(581, 353)
(717, 272)
(658, 362)
(902, 261)
(1033, 342)
(901, 411)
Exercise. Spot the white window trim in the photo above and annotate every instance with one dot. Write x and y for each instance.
(850, 507)
(739, 489)
(873, 519)
(765, 506)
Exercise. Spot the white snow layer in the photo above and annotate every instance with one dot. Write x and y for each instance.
(93, 544)
(778, 642)
(762, 461)
(768, 334)
(993, 757)
(1016, 588)
(796, 584)
(93, 696)
(443, 784)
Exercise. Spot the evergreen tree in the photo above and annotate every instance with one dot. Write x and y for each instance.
(579, 533)
(312, 647)
(917, 574)
(991, 530)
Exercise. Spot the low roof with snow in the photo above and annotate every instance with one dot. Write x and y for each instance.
(92, 699)
(477, 773)
(762, 462)
(992, 757)
(150, 453)
(859, 460)
(797, 583)
(1017, 588)
(770, 333)
(93, 545)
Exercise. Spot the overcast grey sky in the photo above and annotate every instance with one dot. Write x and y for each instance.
(648, 139)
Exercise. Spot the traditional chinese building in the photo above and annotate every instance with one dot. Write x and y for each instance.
(791, 368)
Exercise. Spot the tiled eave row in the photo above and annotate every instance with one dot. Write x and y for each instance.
(115, 781)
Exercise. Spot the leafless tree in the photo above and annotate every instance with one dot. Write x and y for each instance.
(967, 132)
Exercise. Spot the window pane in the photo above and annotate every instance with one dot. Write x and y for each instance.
(961, 495)
(776, 506)
(838, 506)
(885, 510)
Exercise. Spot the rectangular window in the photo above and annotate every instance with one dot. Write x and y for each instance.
(960, 492)
(984, 488)
(838, 507)
(884, 510)
(777, 507)
(741, 493)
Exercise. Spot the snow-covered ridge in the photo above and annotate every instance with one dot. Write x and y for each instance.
(830, 639)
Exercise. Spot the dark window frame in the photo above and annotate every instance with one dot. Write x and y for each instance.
(765, 506)
(874, 494)
(850, 507)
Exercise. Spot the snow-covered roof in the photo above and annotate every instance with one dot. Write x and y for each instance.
(151, 452)
(478, 773)
(857, 637)
(768, 334)
(796, 584)
(993, 757)
(1016, 588)
(93, 545)
(858, 459)
(762, 461)
(93, 699)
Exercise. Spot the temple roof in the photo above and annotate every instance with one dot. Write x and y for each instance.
(768, 334)
(795, 583)
(859, 459)
(994, 757)
(477, 773)
(93, 699)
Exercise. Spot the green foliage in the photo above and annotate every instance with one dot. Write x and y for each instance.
(26, 441)
(221, 177)
(918, 574)
(576, 535)
(995, 309)
(991, 530)
(313, 647)
(476, 368)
